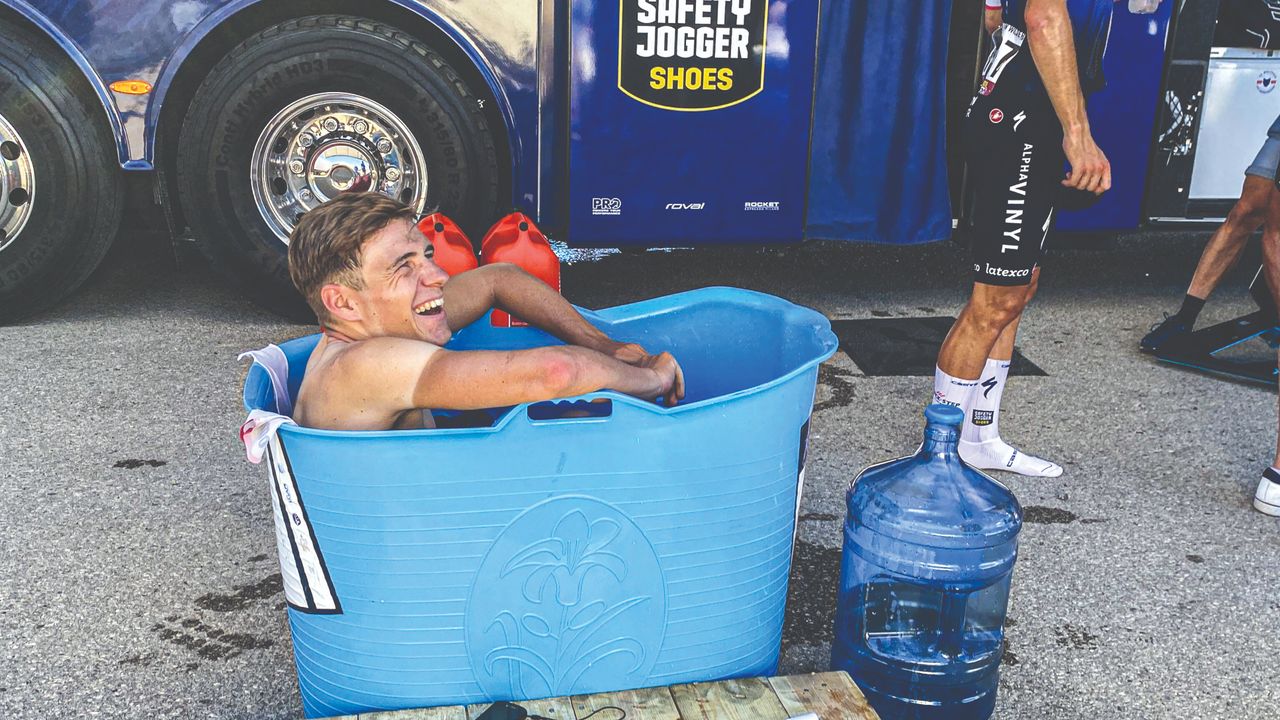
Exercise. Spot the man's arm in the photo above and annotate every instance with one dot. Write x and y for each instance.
(483, 379)
(391, 375)
(1053, 49)
(468, 296)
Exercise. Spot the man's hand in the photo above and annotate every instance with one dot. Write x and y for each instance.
(1090, 169)
(670, 375)
(629, 353)
(663, 363)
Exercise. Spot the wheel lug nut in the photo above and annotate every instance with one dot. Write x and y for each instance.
(384, 146)
(296, 167)
(361, 127)
(330, 124)
(306, 140)
(305, 194)
(393, 174)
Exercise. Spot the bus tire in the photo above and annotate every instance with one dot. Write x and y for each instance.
(246, 173)
(61, 193)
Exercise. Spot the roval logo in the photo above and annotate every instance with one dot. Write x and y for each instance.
(686, 206)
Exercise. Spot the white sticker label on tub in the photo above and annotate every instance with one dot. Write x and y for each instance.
(1266, 82)
(306, 580)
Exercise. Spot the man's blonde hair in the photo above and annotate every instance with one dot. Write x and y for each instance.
(325, 246)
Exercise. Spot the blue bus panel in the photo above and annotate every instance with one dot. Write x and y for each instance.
(689, 121)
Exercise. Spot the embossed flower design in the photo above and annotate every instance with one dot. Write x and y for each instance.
(576, 547)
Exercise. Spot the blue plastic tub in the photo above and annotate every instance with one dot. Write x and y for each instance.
(546, 557)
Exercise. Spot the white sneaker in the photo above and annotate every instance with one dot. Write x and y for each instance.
(1267, 498)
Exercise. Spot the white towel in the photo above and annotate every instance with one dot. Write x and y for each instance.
(260, 427)
(258, 430)
(272, 359)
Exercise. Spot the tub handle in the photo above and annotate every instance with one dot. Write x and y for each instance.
(599, 406)
(575, 409)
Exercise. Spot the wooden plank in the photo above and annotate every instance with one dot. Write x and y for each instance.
(554, 708)
(832, 695)
(455, 712)
(747, 699)
(643, 704)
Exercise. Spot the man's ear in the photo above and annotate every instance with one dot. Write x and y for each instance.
(341, 302)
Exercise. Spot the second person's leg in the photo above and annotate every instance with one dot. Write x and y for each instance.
(980, 441)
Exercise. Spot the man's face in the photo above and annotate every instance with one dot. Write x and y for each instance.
(404, 288)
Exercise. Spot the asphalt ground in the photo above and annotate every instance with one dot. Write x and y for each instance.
(138, 574)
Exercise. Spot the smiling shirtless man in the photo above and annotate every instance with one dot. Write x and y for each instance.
(386, 311)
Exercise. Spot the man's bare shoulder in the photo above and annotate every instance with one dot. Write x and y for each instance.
(358, 355)
(363, 384)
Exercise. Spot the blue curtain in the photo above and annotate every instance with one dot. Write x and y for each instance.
(879, 163)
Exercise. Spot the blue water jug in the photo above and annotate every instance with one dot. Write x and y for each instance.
(929, 547)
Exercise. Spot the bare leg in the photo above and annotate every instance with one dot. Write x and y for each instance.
(990, 310)
(1228, 240)
(1003, 349)
(1267, 497)
(980, 442)
(1271, 262)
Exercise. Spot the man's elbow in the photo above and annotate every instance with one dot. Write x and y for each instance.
(560, 374)
(505, 269)
(1044, 17)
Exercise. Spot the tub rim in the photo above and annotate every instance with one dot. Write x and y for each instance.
(828, 343)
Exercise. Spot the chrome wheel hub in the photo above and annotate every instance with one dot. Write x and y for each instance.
(330, 143)
(17, 183)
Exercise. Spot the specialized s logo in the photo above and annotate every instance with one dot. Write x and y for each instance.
(1017, 119)
(983, 418)
(989, 384)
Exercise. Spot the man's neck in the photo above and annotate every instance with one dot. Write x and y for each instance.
(335, 334)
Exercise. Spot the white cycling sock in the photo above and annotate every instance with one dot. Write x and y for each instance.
(980, 443)
(951, 390)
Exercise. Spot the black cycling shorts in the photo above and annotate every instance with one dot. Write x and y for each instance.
(1016, 164)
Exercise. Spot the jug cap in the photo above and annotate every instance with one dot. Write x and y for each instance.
(944, 414)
